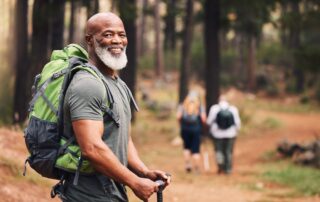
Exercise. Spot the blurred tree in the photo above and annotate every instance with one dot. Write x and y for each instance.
(290, 31)
(159, 68)
(127, 9)
(73, 9)
(40, 40)
(248, 17)
(185, 51)
(299, 30)
(92, 7)
(141, 45)
(212, 51)
(21, 62)
(170, 26)
(57, 10)
(74, 23)
(113, 5)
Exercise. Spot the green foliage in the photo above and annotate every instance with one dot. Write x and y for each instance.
(271, 123)
(146, 61)
(269, 155)
(304, 180)
(290, 85)
(228, 60)
(172, 60)
(250, 14)
(273, 53)
(198, 55)
(317, 93)
(304, 99)
(272, 89)
(308, 57)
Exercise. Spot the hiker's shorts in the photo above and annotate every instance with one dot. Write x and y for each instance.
(191, 139)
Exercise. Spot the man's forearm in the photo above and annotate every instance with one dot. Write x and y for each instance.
(134, 162)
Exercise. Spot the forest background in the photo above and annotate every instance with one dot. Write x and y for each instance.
(270, 46)
(268, 49)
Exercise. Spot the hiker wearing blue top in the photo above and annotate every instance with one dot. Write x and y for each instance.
(104, 138)
(224, 123)
(191, 116)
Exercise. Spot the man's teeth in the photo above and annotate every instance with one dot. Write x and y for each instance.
(115, 49)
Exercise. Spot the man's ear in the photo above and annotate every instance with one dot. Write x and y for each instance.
(89, 40)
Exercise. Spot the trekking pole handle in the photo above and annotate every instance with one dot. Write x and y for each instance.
(161, 184)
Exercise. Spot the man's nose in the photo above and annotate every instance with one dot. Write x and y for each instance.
(116, 39)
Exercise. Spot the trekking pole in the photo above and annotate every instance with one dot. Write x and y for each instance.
(159, 193)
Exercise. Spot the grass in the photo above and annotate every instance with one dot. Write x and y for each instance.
(280, 107)
(271, 123)
(304, 180)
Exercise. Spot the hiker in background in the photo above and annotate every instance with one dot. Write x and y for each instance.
(104, 138)
(224, 123)
(191, 116)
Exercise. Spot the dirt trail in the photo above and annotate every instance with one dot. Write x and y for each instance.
(205, 187)
(248, 152)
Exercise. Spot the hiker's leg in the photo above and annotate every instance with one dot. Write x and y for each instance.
(196, 149)
(218, 153)
(196, 162)
(229, 154)
(224, 143)
(187, 145)
(187, 159)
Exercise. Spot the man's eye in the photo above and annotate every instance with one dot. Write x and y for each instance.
(123, 35)
(108, 35)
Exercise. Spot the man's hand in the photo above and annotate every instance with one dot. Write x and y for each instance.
(144, 188)
(158, 175)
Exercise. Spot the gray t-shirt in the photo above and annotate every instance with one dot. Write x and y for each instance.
(87, 99)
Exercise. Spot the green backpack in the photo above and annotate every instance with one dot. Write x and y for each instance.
(51, 154)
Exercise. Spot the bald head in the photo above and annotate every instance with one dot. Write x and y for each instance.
(102, 20)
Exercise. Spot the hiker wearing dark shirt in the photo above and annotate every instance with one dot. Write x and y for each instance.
(105, 141)
(191, 116)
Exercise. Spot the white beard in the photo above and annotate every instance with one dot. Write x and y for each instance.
(113, 62)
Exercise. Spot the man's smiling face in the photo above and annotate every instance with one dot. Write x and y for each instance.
(110, 44)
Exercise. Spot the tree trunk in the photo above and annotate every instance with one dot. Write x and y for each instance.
(57, 10)
(21, 62)
(75, 7)
(128, 11)
(212, 51)
(295, 44)
(92, 8)
(141, 33)
(113, 5)
(158, 49)
(186, 48)
(40, 39)
(170, 34)
(251, 67)
(240, 61)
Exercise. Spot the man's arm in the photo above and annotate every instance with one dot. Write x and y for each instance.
(88, 134)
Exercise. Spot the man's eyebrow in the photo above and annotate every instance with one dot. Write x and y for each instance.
(114, 31)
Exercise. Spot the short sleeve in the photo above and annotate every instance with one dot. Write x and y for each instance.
(85, 97)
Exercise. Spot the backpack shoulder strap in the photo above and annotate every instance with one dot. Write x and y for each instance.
(131, 98)
(73, 63)
(107, 109)
(104, 81)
